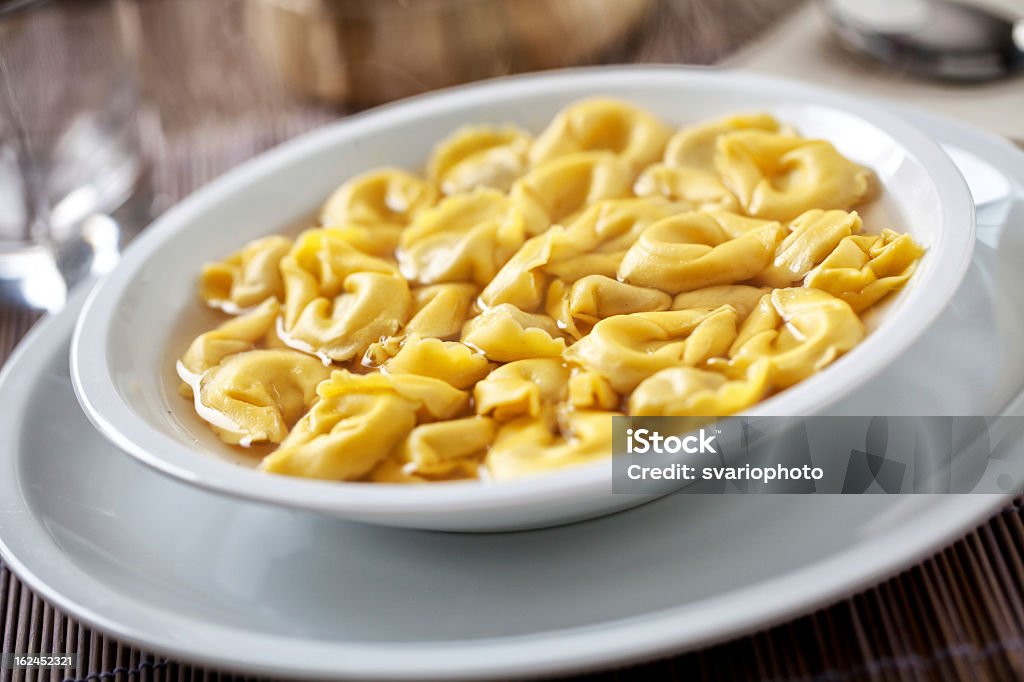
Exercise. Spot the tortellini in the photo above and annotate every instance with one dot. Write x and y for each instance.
(863, 269)
(813, 236)
(581, 305)
(246, 278)
(465, 238)
(626, 349)
(450, 361)
(358, 420)
(696, 146)
(390, 197)
(799, 331)
(632, 134)
(439, 451)
(692, 251)
(561, 188)
(522, 388)
(692, 392)
(236, 335)
(258, 395)
(372, 305)
(506, 333)
(742, 297)
(479, 156)
(695, 186)
(488, 319)
(529, 446)
(779, 177)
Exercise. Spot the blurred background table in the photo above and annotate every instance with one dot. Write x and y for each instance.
(958, 615)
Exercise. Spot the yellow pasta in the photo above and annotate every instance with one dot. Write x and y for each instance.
(450, 361)
(485, 321)
(440, 451)
(579, 306)
(695, 187)
(317, 266)
(237, 335)
(522, 388)
(692, 251)
(529, 446)
(778, 177)
(389, 197)
(627, 349)
(357, 421)
(591, 391)
(813, 235)
(506, 333)
(601, 124)
(696, 146)
(798, 331)
(742, 297)
(864, 269)
(688, 391)
(258, 395)
(479, 156)
(560, 189)
(465, 238)
(246, 278)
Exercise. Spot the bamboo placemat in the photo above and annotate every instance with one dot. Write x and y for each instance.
(956, 616)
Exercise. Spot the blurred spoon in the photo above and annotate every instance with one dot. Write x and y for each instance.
(931, 38)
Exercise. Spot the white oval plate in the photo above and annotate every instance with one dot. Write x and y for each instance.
(134, 324)
(236, 585)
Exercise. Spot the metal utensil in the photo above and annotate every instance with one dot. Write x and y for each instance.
(931, 38)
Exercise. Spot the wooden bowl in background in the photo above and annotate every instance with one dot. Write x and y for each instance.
(365, 52)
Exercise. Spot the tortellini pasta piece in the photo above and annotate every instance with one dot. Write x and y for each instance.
(257, 395)
(246, 278)
(813, 235)
(530, 446)
(594, 243)
(696, 187)
(479, 156)
(778, 177)
(695, 146)
(864, 269)
(317, 266)
(799, 331)
(627, 349)
(236, 335)
(465, 238)
(591, 391)
(560, 189)
(450, 361)
(522, 388)
(693, 251)
(505, 333)
(373, 305)
(438, 312)
(581, 305)
(688, 391)
(603, 124)
(742, 297)
(597, 240)
(357, 422)
(440, 451)
(389, 197)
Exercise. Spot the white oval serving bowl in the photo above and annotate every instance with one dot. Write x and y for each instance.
(134, 323)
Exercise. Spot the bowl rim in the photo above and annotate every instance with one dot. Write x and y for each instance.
(111, 414)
